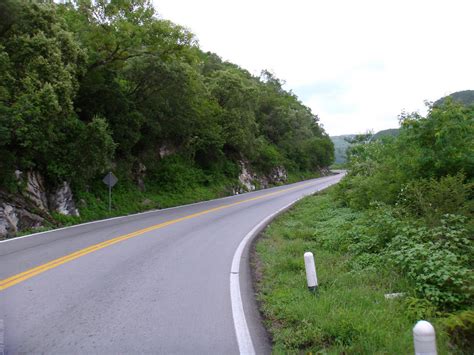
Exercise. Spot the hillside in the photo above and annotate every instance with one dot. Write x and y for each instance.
(391, 132)
(87, 88)
(340, 147)
(465, 97)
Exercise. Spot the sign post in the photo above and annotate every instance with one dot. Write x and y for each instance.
(110, 180)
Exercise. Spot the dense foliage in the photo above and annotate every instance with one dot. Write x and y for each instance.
(417, 194)
(95, 84)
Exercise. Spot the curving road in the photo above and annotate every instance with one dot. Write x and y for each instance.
(172, 281)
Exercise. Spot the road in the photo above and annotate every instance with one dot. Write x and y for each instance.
(173, 281)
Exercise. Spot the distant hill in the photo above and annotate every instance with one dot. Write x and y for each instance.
(465, 97)
(386, 132)
(340, 146)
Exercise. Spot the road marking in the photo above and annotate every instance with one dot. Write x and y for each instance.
(242, 332)
(15, 279)
(244, 340)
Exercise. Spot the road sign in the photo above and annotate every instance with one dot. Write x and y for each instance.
(110, 179)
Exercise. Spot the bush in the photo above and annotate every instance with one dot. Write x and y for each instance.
(460, 328)
(268, 157)
(430, 199)
(175, 173)
(437, 260)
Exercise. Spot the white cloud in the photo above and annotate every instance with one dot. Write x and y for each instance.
(374, 57)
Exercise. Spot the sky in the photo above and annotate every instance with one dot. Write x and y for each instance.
(357, 64)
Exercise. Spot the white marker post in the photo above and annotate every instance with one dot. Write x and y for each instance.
(424, 338)
(311, 276)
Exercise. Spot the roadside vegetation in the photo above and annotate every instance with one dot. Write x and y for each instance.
(127, 198)
(89, 87)
(92, 86)
(400, 222)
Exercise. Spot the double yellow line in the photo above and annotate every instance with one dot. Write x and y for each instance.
(15, 279)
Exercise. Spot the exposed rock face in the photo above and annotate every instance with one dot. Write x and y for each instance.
(278, 175)
(35, 190)
(166, 150)
(8, 221)
(325, 171)
(246, 177)
(62, 201)
(14, 218)
(32, 207)
(249, 180)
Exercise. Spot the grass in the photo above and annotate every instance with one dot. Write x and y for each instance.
(349, 314)
(129, 199)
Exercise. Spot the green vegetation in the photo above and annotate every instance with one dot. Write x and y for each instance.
(92, 86)
(342, 144)
(465, 97)
(386, 132)
(349, 314)
(401, 221)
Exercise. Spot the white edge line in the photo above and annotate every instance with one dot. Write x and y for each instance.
(242, 332)
(137, 214)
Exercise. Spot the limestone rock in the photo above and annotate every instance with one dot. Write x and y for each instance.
(166, 150)
(14, 218)
(61, 201)
(35, 190)
(246, 177)
(278, 175)
(249, 181)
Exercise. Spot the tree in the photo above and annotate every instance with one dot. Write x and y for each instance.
(42, 62)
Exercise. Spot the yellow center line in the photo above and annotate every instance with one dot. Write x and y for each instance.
(15, 279)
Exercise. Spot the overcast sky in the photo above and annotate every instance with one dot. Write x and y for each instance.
(356, 63)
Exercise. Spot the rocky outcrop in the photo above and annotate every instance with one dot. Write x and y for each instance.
(166, 150)
(62, 201)
(31, 208)
(15, 216)
(278, 175)
(8, 220)
(325, 171)
(35, 190)
(250, 181)
(246, 178)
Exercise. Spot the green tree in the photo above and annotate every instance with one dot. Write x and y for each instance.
(42, 62)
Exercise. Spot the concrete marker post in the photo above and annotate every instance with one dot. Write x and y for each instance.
(311, 277)
(424, 338)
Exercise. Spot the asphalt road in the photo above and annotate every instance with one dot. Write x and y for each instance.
(158, 282)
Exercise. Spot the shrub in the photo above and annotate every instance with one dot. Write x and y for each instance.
(460, 328)
(430, 199)
(176, 173)
(437, 260)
